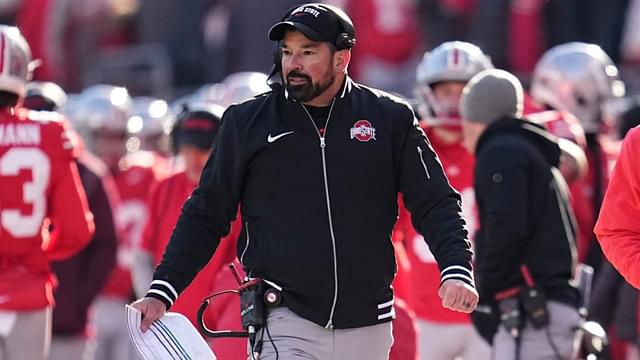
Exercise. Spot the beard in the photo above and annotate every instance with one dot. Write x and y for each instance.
(308, 90)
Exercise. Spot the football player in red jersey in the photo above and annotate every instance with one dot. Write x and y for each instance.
(149, 125)
(106, 111)
(43, 209)
(82, 276)
(192, 135)
(580, 78)
(440, 77)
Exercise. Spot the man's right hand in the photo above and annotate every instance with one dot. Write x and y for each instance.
(151, 309)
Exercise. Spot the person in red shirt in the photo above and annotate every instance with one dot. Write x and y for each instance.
(44, 214)
(105, 111)
(618, 226)
(82, 276)
(193, 134)
(149, 124)
(441, 76)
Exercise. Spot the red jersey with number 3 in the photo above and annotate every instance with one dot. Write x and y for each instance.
(424, 273)
(43, 209)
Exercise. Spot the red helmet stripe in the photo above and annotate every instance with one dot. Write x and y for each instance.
(197, 124)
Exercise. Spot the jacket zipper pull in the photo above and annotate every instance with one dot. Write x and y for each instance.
(322, 143)
(329, 325)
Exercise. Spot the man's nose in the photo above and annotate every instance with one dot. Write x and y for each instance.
(294, 62)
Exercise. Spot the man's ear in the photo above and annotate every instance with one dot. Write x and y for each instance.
(342, 59)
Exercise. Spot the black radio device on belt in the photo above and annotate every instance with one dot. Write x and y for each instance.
(255, 296)
(534, 302)
(519, 303)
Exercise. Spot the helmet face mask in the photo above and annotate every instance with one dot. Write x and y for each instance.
(104, 111)
(443, 99)
(579, 78)
(453, 61)
(149, 123)
(110, 147)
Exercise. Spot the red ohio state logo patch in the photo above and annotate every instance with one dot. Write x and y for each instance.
(363, 131)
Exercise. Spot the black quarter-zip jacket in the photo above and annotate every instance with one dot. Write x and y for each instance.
(318, 211)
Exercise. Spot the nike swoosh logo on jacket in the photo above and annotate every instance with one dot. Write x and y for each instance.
(271, 139)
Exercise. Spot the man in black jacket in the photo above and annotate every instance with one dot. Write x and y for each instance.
(316, 166)
(526, 237)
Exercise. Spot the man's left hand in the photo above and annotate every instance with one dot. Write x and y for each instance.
(458, 296)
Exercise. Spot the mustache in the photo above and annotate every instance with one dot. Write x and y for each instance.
(298, 74)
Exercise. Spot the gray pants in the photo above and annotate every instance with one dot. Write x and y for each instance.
(112, 339)
(536, 344)
(446, 341)
(29, 338)
(298, 338)
(70, 348)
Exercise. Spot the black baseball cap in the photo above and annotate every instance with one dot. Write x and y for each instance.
(197, 125)
(318, 22)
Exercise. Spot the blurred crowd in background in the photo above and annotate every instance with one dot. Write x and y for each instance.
(166, 48)
(126, 70)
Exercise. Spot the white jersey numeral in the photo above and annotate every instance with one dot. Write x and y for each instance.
(33, 192)
(130, 218)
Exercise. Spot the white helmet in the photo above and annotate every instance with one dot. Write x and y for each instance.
(50, 93)
(235, 88)
(149, 117)
(579, 78)
(150, 123)
(16, 66)
(104, 107)
(450, 61)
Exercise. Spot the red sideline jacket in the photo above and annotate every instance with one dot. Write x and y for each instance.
(618, 226)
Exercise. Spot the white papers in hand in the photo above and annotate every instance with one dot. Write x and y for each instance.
(171, 337)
